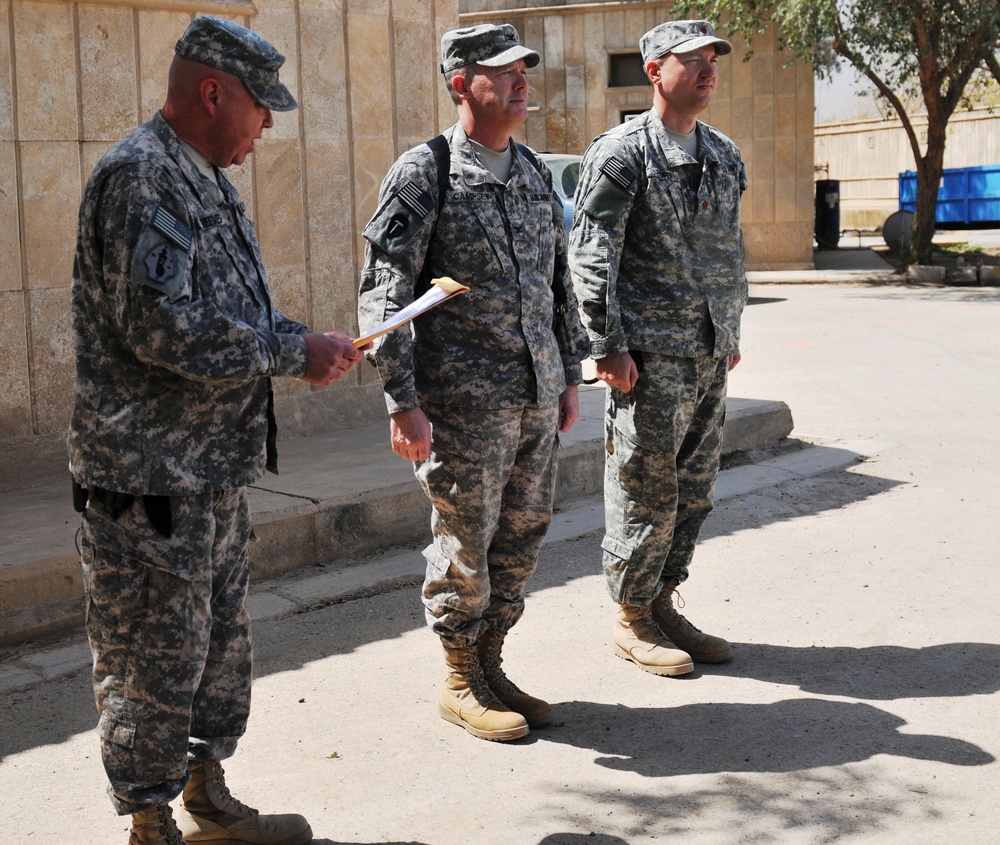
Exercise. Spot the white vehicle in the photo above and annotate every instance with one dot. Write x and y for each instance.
(565, 174)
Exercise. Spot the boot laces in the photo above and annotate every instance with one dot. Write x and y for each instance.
(670, 611)
(477, 680)
(166, 826)
(491, 661)
(228, 803)
(644, 627)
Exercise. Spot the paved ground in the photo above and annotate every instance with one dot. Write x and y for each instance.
(857, 579)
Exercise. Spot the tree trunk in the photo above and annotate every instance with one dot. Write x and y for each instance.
(930, 168)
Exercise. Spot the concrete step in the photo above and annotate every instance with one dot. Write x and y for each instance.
(339, 495)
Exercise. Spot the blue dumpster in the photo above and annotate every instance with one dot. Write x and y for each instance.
(968, 197)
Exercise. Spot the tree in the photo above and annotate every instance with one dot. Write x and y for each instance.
(912, 51)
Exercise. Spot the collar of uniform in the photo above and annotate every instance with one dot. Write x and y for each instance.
(473, 172)
(211, 194)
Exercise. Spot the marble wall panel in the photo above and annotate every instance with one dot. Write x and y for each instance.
(109, 97)
(158, 34)
(554, 53)
(15, 398)
(51, 358)
(45, 71)
(332, 248)
(369, 68)
(50, 187)
(279, 207)
(417, 76)
(6, 78)
(10, 227)
(323, 48)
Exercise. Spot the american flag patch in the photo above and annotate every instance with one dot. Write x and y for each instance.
(619, 172)
(419, 201)
(172, 229)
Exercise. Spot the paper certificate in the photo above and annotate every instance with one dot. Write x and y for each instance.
(440, 290)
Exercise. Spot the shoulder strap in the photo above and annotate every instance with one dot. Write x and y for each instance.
(529, 154)
(442, 161)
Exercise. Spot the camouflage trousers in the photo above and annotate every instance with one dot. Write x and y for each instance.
(491, 480)
(170, 637)
(663, 443)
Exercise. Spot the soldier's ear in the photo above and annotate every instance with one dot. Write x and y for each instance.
(210, 92)
(460, 84)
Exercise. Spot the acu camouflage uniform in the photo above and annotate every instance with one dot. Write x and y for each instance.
(658, 264)
(486, 368)
(176, 338)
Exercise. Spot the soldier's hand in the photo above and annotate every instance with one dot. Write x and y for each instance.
(328, 357)
(619, 371)
(410, 434)
(734, 359)
(569, 408)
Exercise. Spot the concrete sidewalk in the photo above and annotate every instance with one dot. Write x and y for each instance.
(339, 495)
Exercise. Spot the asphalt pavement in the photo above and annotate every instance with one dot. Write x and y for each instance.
(853, 569)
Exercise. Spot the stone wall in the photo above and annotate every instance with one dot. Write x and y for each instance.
(77, 76)
(766, 107)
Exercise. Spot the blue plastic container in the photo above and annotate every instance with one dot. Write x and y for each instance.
(969, 197)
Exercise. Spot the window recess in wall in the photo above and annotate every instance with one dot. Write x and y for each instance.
(625, 70)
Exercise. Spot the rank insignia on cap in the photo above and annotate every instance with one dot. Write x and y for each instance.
(175, 231)
(160, 264)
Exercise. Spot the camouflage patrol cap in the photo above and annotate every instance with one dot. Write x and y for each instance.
(486, 44)
(680, 37)
(232, 48)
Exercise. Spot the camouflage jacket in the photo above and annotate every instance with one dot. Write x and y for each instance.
(174, 328)
(493, 347)
(656, 248)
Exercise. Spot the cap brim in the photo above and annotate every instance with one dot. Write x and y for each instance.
(275, 97)
(507, 57)
(722, 47)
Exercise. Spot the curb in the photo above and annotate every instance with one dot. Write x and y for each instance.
(43, 596)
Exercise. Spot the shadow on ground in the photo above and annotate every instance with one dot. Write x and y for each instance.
(786, 736)
(55, 710)
(875, 673)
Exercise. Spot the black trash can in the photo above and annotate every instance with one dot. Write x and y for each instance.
(827, 213)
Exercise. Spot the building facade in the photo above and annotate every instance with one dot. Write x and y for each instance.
(591, 78)
(76, 76)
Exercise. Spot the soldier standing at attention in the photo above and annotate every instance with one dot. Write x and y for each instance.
(477, 394)
(176, 343)
(656, 252)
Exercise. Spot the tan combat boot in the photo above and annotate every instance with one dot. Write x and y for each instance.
(214, 817)
(467, 700)
(154, 826)
(535, 711)
(704, 648)
(637, 638)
